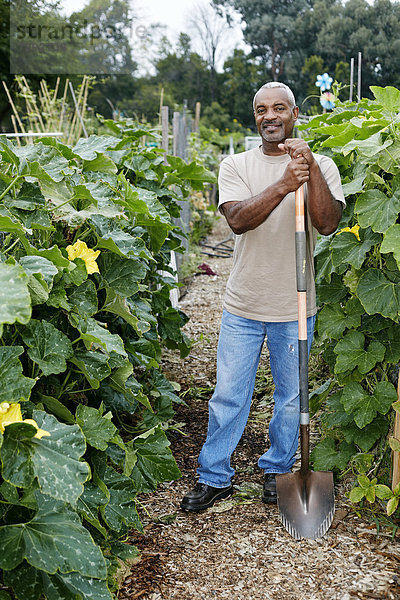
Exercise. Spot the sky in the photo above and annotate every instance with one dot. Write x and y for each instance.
(172, 13)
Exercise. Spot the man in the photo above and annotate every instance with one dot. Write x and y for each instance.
(256, 190)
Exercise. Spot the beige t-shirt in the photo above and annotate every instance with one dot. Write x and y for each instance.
(262, 284)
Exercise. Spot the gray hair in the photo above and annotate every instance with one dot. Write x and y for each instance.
(277, 84)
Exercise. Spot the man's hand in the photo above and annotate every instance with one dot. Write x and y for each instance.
(297, 148)
(296, 173)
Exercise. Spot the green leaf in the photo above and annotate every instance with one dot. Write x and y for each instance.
(366, 437)
(98, 429)
(352, 354)
(7, 223)
(371, 146)
(388, 97)
(378, 295)
(383, 491)
(117, 305)
(48, 346)
(346, 248)
(56, 408)
(374, 209)
(154, 463)
(89, 148)
(101, 163)
(363, 406)
(392, 505)
(30, 583)
(84, 299)
(391, 242)
(42, 162)
(354, 186)
(331, 291)
(121, 274)
(326, 456)
(120, 511)
(54, 460)
(29, 197)
(93, 364)
(15, 300)
(53, 540)
(356, 494)
(94, 332)
(125, 245)
(14, 386)
(39, 264)
(394, 443)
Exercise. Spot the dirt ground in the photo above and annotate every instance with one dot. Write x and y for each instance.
(238, 549)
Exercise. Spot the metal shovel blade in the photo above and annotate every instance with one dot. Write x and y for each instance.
(306, 503)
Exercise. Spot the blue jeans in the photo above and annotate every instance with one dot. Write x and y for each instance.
(239, 349)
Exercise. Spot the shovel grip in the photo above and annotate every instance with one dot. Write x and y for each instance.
(301, 280)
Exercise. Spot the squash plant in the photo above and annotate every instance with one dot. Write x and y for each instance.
(358, 287)
(87, 233)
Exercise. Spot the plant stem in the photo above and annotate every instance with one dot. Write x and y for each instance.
(14, 181)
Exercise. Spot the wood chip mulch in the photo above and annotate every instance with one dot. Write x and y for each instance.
(238, 549)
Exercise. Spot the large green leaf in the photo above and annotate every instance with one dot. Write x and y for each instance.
(54, 540)
(391, 242)
(327, 456)
(89, 148)
(15, 299)
(333, 319)
(97, 428)
(122, 243)
(121, 274)
(89, 504)
(117, 305)
(84, 298)
(14, 386)
(29, 197)
(388, 97)
(29, 583)
(39, 264)
(378, 295)
(352, 354)
(366, 437)
(54, 460)
(346, 248)
(48, 346)
(94, 332)
(376, 210)
(43, 162)
(120, 511)
(155, 462)
(93, 364)
(364, 406)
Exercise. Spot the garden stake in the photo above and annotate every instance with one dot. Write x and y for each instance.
(306, 498)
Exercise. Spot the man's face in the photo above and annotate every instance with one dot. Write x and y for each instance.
(274, 115)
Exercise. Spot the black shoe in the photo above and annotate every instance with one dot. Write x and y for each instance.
(203, 496)
(269, 489)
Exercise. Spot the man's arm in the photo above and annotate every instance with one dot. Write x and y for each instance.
(250, 213)
(324, 210)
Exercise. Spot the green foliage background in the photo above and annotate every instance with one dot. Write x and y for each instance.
(81, 353)
(358, 287)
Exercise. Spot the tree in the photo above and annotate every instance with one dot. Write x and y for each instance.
(239, 81)
(271, 30)
(211, 30)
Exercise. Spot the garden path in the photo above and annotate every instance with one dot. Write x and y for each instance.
(238, 550)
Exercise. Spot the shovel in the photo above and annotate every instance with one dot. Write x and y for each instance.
(306, 498)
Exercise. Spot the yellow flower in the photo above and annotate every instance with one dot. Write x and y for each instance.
(354, 230)
(80, 250)
(11, 413)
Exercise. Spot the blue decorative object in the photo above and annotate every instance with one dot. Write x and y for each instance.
(327, 100)
(324, 82)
